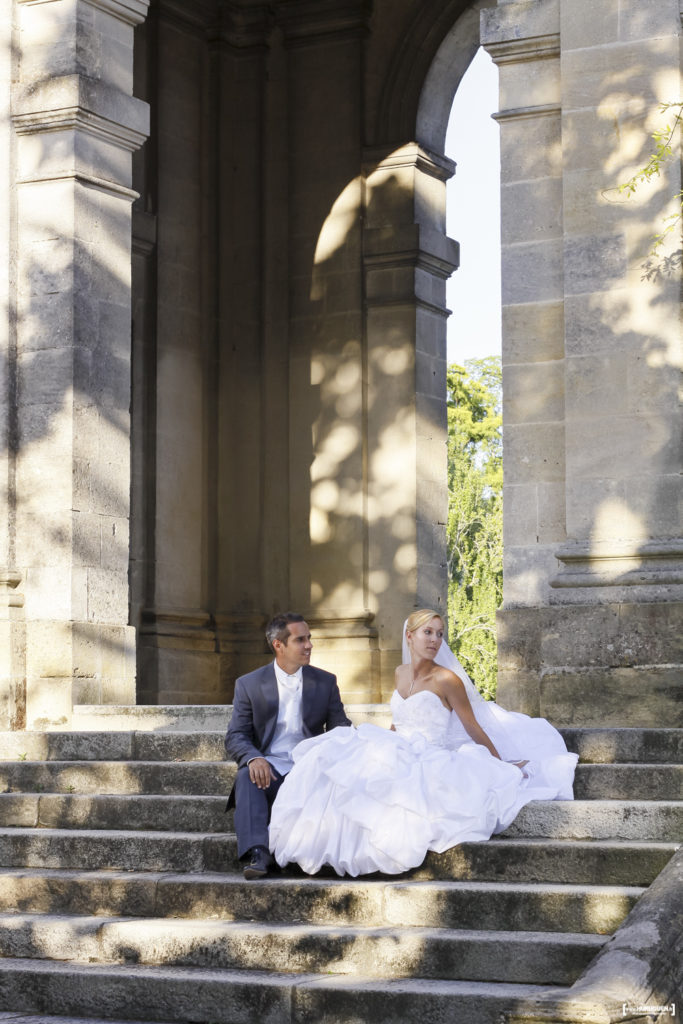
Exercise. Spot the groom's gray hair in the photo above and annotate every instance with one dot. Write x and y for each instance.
(278, 627)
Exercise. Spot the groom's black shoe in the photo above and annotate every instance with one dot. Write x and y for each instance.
(259, 864)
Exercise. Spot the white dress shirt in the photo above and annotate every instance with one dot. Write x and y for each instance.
(289, 728)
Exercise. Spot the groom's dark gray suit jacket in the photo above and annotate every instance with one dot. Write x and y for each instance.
(255, 709)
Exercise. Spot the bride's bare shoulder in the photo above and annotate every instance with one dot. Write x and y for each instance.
(449, 679)
(402, 673)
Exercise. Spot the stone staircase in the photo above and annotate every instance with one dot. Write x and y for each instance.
(121, 896)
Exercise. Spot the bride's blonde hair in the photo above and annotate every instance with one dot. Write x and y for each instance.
(420, 618)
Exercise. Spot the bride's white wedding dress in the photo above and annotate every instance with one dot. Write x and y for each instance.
(369, 799)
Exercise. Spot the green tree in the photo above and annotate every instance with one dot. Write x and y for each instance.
(475, 516)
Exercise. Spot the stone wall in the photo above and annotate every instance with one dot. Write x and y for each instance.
(71, 125)
(591, 352)
(271, 433)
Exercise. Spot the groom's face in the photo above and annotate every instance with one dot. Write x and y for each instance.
(294, 652)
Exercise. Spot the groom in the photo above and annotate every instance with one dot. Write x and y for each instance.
(274, 708)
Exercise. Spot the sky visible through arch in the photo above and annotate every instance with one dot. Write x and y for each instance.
(473, 214)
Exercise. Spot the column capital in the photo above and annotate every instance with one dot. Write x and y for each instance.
(131, 12)
(519, 32)
(412, 154)
(77, 102)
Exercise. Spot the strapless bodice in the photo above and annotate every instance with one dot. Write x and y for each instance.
(421, 714)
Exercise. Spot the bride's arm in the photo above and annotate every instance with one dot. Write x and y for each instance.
(459, 702)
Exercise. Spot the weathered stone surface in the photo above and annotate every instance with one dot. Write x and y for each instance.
(380, 953)
(639, 967)
(629, 782)
(612, 648)
(520, 914)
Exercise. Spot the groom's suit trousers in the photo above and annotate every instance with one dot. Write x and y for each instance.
(251, 729)
(252, 810)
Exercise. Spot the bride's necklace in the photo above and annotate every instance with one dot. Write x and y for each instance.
(413, 680)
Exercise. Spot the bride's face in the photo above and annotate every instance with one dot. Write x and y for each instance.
(426, 640)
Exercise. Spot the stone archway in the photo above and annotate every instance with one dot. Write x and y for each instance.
(349, 260)
(288, 306)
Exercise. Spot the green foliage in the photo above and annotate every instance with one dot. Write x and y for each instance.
(475, 516)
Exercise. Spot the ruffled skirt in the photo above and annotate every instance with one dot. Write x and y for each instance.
(368, 799)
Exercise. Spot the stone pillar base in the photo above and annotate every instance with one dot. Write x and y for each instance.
(616, 664)
(71, 663)
(348, 647)
(178, 662)
(12, 652)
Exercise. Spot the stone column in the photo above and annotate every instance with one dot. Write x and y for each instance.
(176, 480)
(323, 391)
(76, 126)
(524, 41)
(622, 562)
(591, 354)
(407, 259)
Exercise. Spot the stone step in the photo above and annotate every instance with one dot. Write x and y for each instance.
(628, 745)
(376, 902)
(598, 862)
(599, 746)
(114, 746)
(128, 850)
(593, 781)
(629, 782)
(26, 1017)
(630, 820)
(187, 717)
(248, 997)
(516, 860)
(457, 955)
(633, 820)
(123, 777)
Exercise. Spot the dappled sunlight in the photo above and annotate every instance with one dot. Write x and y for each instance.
(393, 359)
(614, 519)
(390, 463)
(335, 230)
(331, 450)
(604, 911)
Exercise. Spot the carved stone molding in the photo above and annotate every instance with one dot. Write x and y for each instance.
(518, 33)
(386, 249)
(437, 165)
(182, 628)
(10, 597)
(527, 113)
(520, 51)
(88, 180)
(132, 12)
(629, 564)
(392, 246)
(238, 632)
(80, 103)
(351, 628)
(307, 21)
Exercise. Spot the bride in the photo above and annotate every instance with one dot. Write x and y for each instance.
(453, 767)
